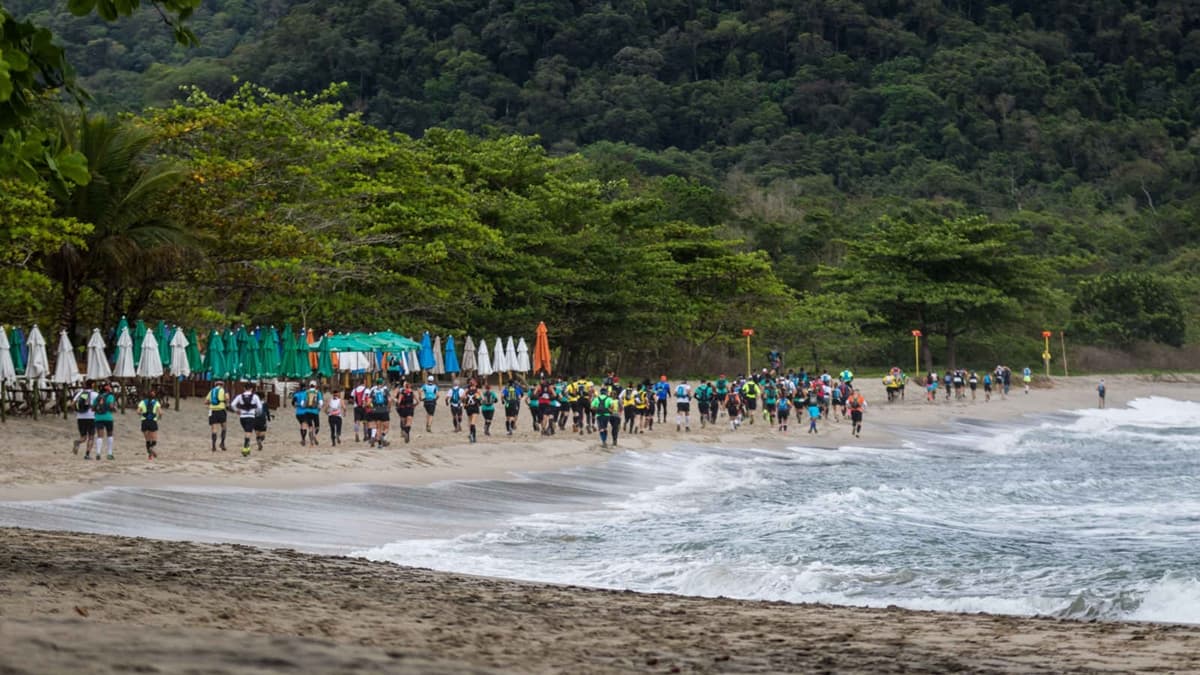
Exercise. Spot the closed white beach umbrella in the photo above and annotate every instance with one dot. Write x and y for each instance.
(151, 364)
(511, 362)
(97, 363)
(353, 361)
(439, 361)
(523, 356)
(483, 360)
(8, 372)
(66, 370)
(179, 360)
(124, 365)
(470, 360)
(498, 364)
(38, 366)
(414, 362)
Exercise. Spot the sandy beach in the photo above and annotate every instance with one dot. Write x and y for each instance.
(91, 603)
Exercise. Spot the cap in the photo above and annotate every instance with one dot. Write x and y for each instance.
(249, 385)
(312, 383)
(379, 380)
(429, 379)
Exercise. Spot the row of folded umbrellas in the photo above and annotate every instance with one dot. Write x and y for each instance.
(258, 353)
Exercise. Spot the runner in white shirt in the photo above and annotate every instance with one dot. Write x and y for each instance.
(84, 404)
(359, 396)
(248, 405)
(683, 405)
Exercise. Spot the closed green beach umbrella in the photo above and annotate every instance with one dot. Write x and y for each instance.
(304, 366)
(16, 339)
(324, 358)
(164, 342)
(268, 354)
(195, 361)
(123, 324)
(250, 366)
(287, 363)
(214, 358)
(139, 336)
(232, 358)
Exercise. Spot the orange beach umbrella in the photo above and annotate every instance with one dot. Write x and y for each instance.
(541, 350)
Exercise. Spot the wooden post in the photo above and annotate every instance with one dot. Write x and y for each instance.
(3, 401)
(176, 392)
(37, 400)
(63, 401)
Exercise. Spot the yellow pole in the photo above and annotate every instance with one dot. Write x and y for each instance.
(916, 353)
(1046, 351)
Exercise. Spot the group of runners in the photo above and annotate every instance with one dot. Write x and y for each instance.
(606, 408)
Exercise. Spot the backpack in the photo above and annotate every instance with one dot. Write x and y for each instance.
(379, 397)
(149, 414)
(455, 396)
(246, 403)
(103, 404)
(312, 398)
(855, 403)
(407, 399)
(681, 392)
(214, 396)
(83, 402)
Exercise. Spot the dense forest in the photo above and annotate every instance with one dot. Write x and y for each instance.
(979, 169)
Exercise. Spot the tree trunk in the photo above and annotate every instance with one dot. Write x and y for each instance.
(68, 318)
(951, 347)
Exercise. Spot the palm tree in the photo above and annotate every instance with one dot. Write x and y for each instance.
(134, 245)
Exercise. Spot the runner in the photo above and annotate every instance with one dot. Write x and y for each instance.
(770, 402)
(544, 399)
(857, 405)
(733, 408)
(511, 397)
(814, 414)
(973, 383)
(644, 409)
(987, 387)
(487, 405)
(1026, 377)
(1100, 390)
(662, 390)
(335, 407)
(703, 398)
(247, 404)
(429, 397)
(471, 403)
(106, 403)
(608, 416)
(150, 410)
(406, 404)
(85, 419)
(359, 395)
(218, 401)
(261, 417)
(683, 405)
(722, 391)
(629, 406)
(783, 410)
(749, 394)
(379, 415)
(454, 399)
(587, 391)
(308, 413)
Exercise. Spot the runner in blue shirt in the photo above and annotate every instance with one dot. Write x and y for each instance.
(662, 390)
(429, 397)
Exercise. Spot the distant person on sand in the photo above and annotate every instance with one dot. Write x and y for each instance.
(379, 417)
(783, 410)
(454, 399)
(683, 406)
(247, 405)
(308, 413)
(1026, 377)
(814, 414)
(487, 405)
(106, 403)
(218, 401)
(359, 394)
(608, 416)
(150, 411)
(85, 419)
(662, 391)
(1100, 390)
(471, 403)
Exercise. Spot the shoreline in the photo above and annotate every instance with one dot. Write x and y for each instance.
(65, 598)
(36, 463)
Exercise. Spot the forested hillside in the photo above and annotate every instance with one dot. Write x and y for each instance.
(792, 125)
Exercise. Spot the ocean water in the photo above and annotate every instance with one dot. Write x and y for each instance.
(1086, 514)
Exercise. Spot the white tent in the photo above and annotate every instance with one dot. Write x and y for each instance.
(511, 361)
(523, 356)
(483, 361)
(38, 366)
(498, 361)
(150, 365)
(124, 365)
(66, 370)
(352, 361)
(97, 364)
(179, 360)
(8, 372)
